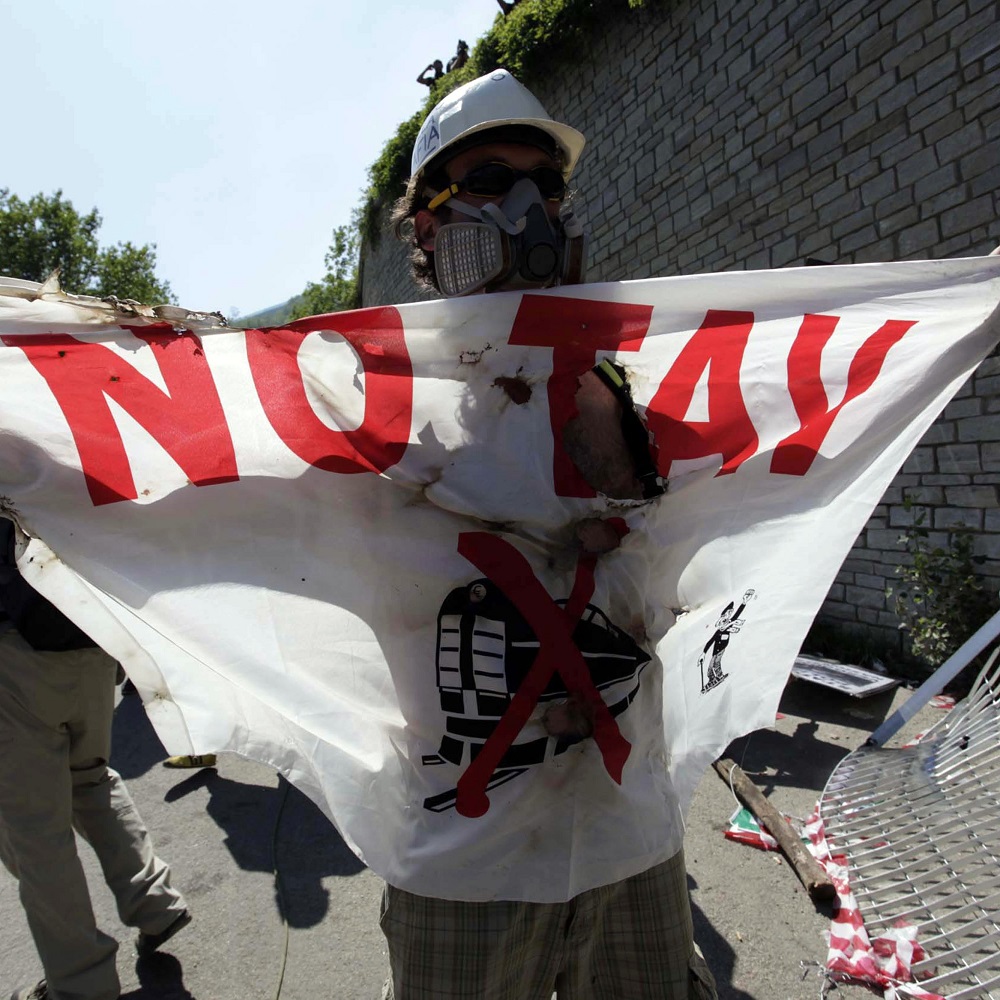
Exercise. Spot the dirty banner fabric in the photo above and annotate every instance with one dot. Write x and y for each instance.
(349, 548)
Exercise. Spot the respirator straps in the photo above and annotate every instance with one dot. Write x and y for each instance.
(633, 430)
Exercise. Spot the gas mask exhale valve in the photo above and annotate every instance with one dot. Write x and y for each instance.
(512, 245)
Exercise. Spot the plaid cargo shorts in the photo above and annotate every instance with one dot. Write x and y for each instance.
(628, 941)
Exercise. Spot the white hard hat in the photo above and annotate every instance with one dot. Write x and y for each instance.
(493, 101)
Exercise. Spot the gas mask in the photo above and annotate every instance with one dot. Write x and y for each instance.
(512, 245)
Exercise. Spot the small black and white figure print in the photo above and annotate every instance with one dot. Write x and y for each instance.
(727, 625)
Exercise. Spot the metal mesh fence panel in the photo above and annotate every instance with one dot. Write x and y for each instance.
(920, 829)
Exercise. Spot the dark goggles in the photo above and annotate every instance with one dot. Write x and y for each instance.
(493, 180)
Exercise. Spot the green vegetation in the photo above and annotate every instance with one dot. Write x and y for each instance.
(45, 234)
(338, 290)
(523, 41)
(941, 602)
(339, 287)
(271, 316)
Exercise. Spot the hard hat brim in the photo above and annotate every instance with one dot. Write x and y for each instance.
(569, 141)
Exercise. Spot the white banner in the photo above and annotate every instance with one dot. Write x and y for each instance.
(348, 548)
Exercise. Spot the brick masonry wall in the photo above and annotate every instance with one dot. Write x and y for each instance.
(756, 133)
(385, 273)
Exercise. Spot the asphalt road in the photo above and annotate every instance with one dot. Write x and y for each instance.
(223, 830)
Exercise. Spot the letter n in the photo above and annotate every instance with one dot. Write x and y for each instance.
(187, 420)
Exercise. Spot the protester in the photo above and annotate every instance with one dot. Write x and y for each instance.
(431, 73)
(460, 58)
(485, 210)
(56, 703)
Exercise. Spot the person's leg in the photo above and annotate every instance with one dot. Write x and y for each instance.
(37, 844)
(445, 950)
(634, 940)
(105, 816)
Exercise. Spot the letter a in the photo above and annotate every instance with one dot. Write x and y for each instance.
(718, 345)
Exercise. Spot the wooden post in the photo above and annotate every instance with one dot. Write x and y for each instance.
(808, 869)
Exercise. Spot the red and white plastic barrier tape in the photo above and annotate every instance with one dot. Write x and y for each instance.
(885, 961)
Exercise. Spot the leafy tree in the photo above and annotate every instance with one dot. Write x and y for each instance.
(941, 602)
(129, 272)
(42, 234)
(338, 289)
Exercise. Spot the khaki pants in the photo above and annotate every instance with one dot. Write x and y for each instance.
(55, 740)
(628, 941)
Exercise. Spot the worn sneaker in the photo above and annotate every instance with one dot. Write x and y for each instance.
(146, 944)
(191, 760)
(37, 992)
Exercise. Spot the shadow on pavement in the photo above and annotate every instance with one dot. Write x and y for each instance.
(821, 704)
(160, 978)
(260, 823)
(799, 759)
(135, 746)
(309, 848)
(717, 951)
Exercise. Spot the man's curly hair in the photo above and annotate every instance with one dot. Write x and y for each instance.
(401, 221)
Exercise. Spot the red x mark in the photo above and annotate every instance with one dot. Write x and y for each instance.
(501, 563)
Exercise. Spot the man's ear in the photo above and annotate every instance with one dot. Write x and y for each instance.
(425, 225)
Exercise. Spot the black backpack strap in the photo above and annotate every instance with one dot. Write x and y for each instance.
(633, 430)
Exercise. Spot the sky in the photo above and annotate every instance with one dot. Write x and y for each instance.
(233, 135)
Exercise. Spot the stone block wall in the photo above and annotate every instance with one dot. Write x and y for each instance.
(951, 479)
(728, 134)
(385, 274)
